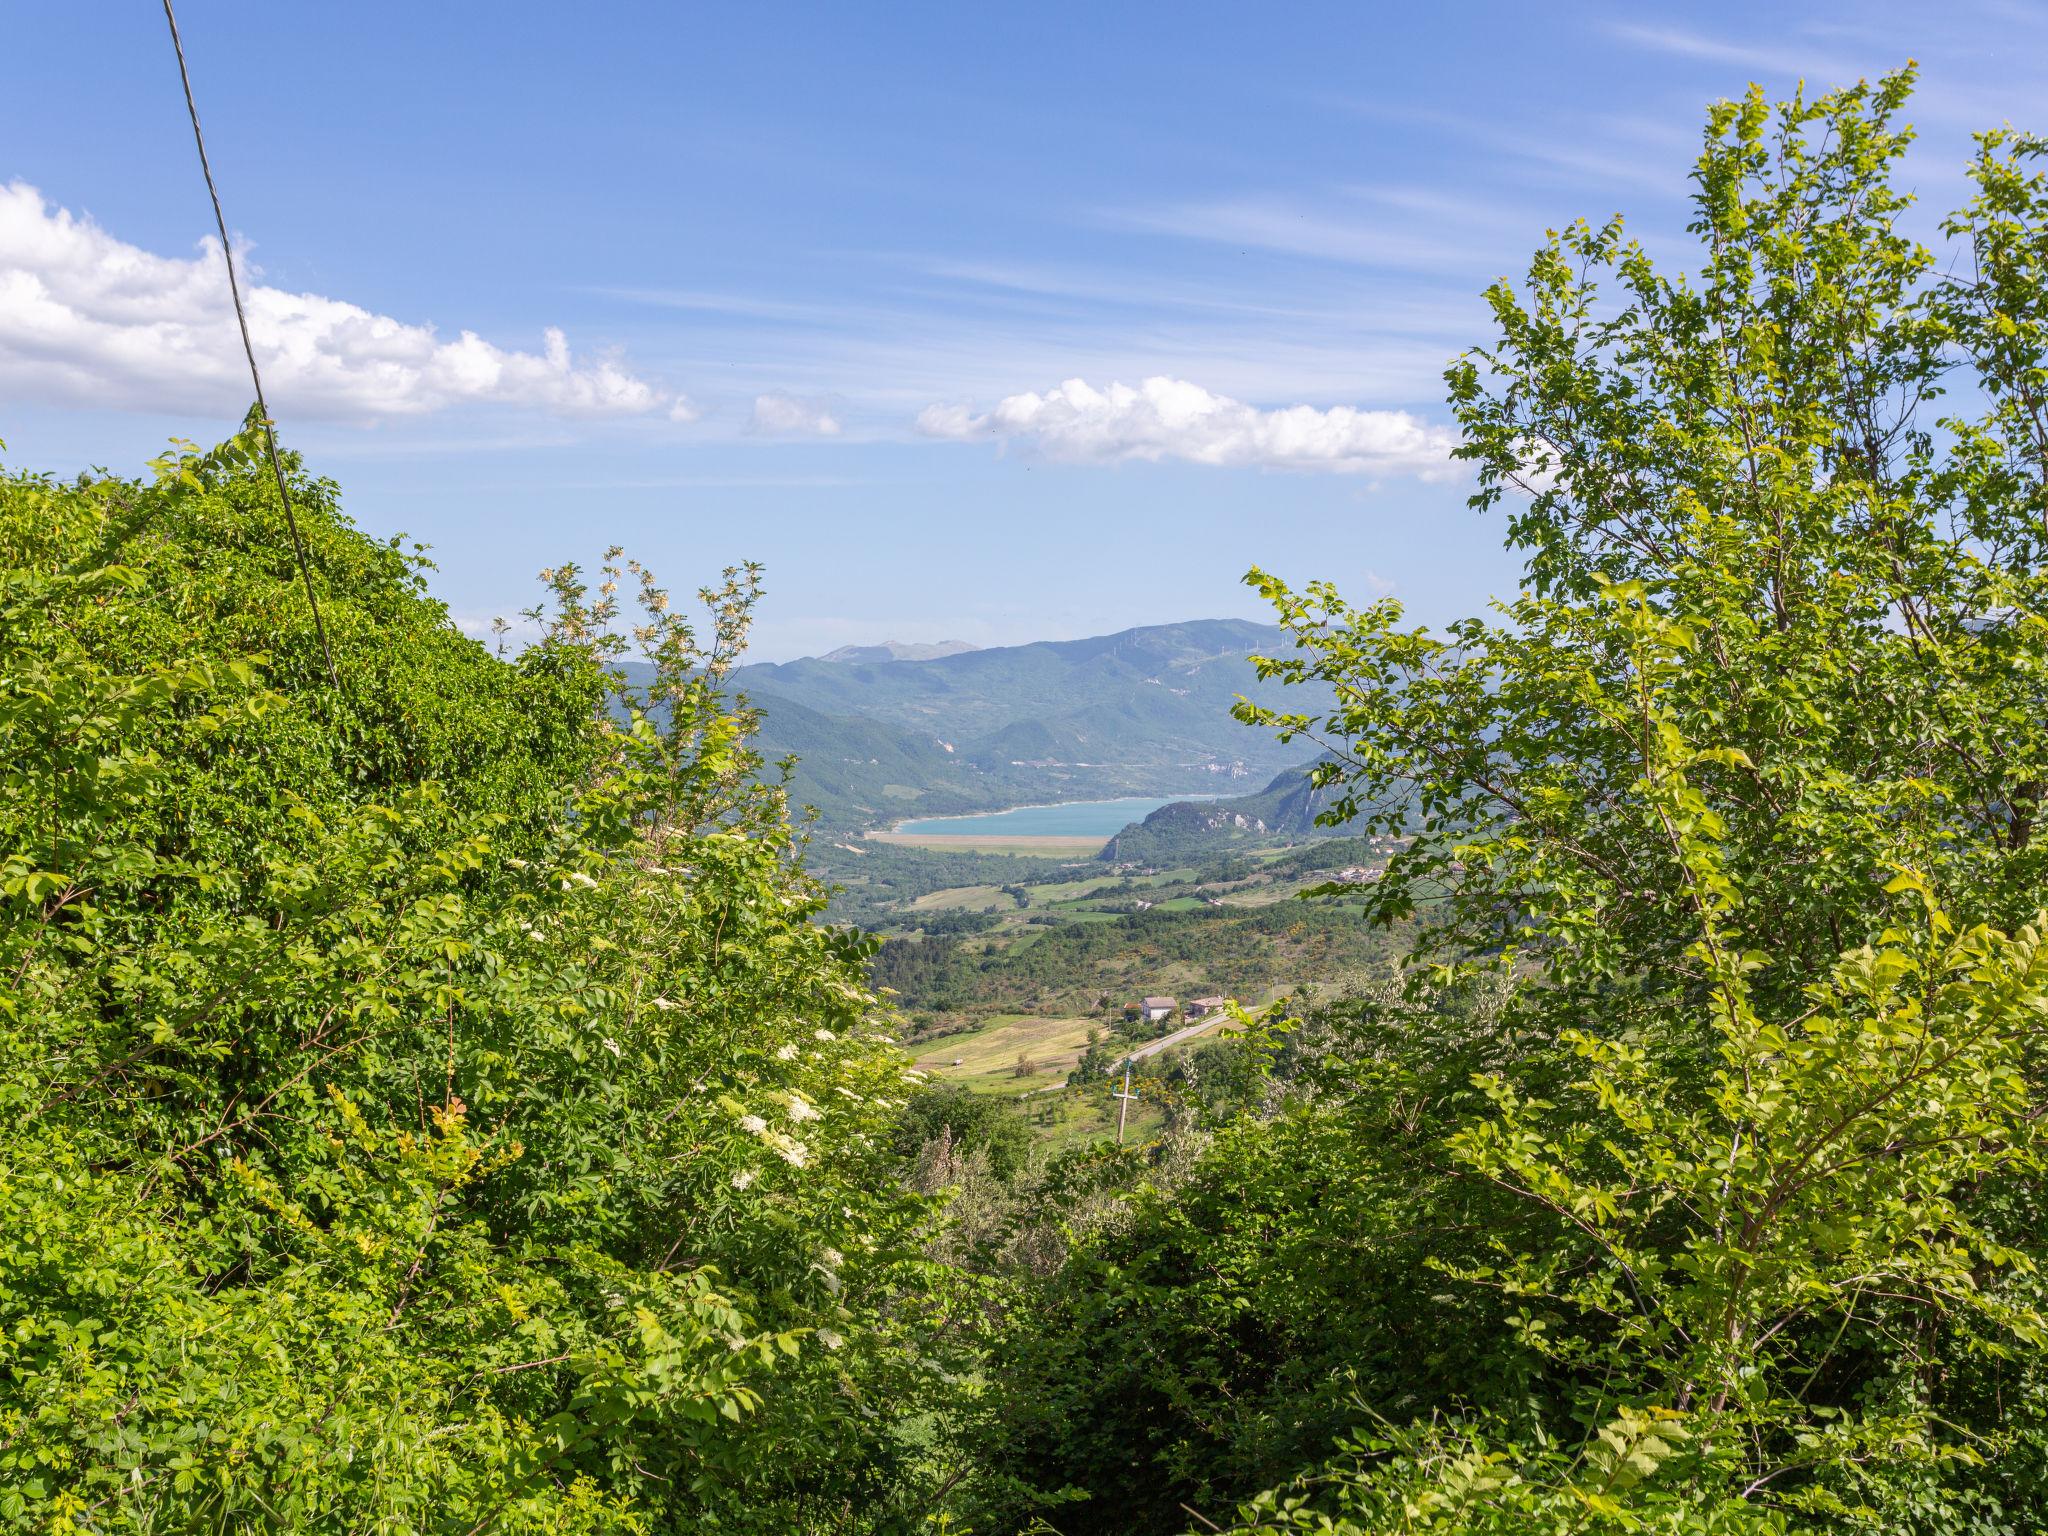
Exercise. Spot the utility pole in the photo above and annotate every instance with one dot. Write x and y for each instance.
(1123, 1099)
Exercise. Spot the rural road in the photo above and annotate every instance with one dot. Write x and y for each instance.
(1185, 1032)
(1150, 1048)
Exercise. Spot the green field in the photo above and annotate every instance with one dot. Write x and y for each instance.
(986, 1058)
(1075, 1116)
(961, 898)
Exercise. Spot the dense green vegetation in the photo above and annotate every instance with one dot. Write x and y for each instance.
(430, 1104)
(1069, 967)
(1696, 1186)
(873, 883)
(427, 1104)
(1693, 1183)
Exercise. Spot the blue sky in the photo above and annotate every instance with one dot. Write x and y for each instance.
(820, 273)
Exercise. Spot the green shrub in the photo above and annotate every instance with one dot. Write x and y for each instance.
(424, 1104)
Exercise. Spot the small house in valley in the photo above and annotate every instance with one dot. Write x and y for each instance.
(1153, 1009)
(1202, 1007)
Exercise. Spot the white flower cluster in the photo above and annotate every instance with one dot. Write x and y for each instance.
(788, 1148)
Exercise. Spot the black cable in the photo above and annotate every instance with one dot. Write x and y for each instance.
(249, 351)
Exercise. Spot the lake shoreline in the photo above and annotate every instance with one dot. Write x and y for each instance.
(960, 825)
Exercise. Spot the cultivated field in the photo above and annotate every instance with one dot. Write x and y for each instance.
(1030, 847)
(987, 1056)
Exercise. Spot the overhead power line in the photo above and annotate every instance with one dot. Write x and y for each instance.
(248, 350)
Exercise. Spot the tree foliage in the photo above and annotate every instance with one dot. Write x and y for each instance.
(1723, 1212)
(426, 1103)
(1745, 785)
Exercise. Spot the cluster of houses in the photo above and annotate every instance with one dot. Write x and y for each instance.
(1156, 1010)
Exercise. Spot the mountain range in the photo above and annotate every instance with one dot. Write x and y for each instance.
(1142, 711)
(898, 650)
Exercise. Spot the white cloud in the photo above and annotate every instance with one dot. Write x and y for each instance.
(87, 317)
(1171, 418)
(783, 415)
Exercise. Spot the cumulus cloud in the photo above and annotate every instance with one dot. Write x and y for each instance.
(87, 317)
(1171, 418)
(781, 415)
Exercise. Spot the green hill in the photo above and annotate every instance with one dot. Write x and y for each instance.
(1287, 807)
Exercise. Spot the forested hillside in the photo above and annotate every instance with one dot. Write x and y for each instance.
(1289, 806)
(1235, 951)
(429, 1101)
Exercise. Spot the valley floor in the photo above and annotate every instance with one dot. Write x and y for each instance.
(1016, 975)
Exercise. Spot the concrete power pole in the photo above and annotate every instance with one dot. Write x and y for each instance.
(1123, 1099)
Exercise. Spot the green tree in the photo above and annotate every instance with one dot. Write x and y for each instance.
(971, 1121)
(1742, 790)
(424, 1104)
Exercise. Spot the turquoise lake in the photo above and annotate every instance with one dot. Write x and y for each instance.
(1078, 818)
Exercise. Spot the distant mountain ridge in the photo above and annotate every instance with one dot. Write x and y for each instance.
(898, 650)
(1142, 711)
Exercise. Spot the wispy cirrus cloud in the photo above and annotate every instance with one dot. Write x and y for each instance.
(1773, 59)
(1166, 418)
(86, 317)
(1325, 229)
